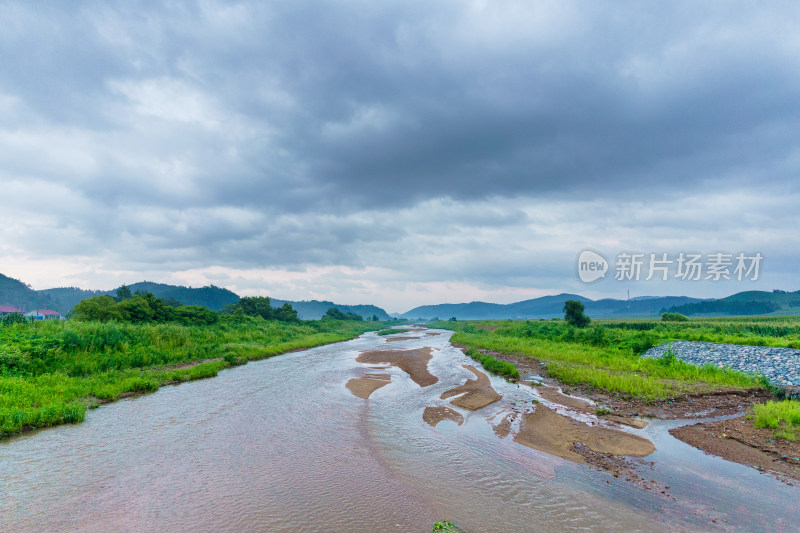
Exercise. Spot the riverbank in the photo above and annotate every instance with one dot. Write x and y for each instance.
(51, 373)
(695, 380)
(735, 440)
(781, 366)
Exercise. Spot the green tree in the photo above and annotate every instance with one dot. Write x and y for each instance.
(14, 318)
(334, 314)
(337, 314)
(136, 310)
(100, 308)
(573, 314)
(374, 318)
(195, 315)
(256, 306)
(124, 293)
(286, 313)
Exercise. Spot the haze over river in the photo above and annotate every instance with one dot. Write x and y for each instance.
(283, 445)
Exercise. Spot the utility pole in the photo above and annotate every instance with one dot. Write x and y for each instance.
(629, 295)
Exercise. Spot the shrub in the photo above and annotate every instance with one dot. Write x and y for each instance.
(14, 318)
(495, 366)
(573, 314)
(783, 417)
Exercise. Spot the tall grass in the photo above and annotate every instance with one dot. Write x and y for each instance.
(603, 357)
(783, 417)
(501, 368)
(641, 334)
(51, 372)
(392, 331)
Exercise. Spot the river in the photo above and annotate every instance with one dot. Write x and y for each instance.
(283, 445)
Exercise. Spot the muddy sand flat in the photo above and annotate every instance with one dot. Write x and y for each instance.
(552, 394)
(434, 415)
(550, 432)
(367, 384)
(412, 362)
(477, 393)
(396, 339)
(503, 429)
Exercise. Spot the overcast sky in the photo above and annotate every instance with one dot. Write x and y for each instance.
(397, 153)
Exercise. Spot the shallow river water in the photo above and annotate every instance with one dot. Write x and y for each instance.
(282, 445)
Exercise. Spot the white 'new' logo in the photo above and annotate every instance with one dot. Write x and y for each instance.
(591, 266)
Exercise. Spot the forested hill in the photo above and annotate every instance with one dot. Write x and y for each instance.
(314, 309)
(743, 303)
(16, 293)
(62, 299)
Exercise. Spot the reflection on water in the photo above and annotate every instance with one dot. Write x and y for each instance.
(282, 445)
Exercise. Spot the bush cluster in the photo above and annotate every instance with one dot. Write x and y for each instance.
(141, 308)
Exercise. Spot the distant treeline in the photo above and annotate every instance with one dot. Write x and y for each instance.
(145, 308)
(261, 306)
(722, 306)
(141, 308)
(337, 314)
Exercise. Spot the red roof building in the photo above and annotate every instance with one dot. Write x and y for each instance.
(9, 310)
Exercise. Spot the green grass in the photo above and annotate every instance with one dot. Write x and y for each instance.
(392, 331)
(52, 372)
(605, 356)
(501, 368)
(782, 416)
(445, 527)
(641, 334)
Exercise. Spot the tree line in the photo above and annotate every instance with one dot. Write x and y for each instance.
(143, 307)
(722, 306)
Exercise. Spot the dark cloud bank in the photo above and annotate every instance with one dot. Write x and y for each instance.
(395, 148)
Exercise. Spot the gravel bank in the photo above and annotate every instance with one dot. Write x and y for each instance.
(780, 365)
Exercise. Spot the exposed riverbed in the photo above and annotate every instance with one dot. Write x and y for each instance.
(317, 440)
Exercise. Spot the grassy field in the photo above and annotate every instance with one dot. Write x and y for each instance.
(51, 372)
(605, 355)
(783, 417)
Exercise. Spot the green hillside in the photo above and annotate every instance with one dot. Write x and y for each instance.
(212, 297)
(740, 304)
(314, 309)
(16, 293)
(62, 299)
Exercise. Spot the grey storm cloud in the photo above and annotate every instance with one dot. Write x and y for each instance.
(318, 133)
(329, 105)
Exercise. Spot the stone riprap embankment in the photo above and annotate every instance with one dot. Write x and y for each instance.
(780, 365)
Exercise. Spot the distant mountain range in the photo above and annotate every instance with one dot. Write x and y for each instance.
(743, 303)
(16, 293)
